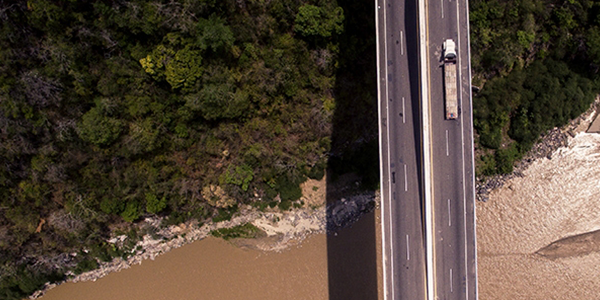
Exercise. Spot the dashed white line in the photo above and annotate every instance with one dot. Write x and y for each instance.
(451, 287)
(447, 147)
(449, 215)
(405, 180)
(401, 42)
(442, 2)
(407, 248)
(403, 112)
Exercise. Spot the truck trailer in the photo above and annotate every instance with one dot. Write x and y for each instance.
(451, 98)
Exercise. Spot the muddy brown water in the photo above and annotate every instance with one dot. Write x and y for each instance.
(554, 203)
(215, 269)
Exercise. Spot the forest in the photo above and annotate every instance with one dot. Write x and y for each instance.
(115, 111)
(537, 63)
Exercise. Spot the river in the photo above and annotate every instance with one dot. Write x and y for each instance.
(216, 269)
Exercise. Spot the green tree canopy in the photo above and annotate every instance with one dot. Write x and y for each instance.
(318, 21)
(215, 34)
(98, 128)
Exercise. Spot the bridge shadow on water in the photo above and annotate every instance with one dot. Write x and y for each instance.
(352, 252)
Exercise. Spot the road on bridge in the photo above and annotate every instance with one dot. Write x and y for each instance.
(451, 155)
(400, 142)
(451, 152)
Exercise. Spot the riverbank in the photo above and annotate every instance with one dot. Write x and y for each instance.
(549, 143)
(213, 268)
(281, 229)
(535, 232)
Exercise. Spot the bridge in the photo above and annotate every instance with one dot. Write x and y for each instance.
(427, 165)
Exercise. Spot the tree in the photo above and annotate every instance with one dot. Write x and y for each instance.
(315, 21)
(184, 68)
(112, 205)
(214, 34)
(288, 188)
(143, 136)
(219, 101)
(155, 205)
(180, 68)
(131, 212)
(241, 176)
(98, 128)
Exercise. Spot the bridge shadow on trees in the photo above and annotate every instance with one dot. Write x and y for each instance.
(352, 252)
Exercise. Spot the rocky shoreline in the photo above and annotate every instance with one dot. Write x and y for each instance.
(294, 225)
(548, 144)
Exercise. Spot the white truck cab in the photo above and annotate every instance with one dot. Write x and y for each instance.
(449, 49)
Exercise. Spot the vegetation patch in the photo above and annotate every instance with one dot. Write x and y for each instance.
(539, 78)
(241, 231)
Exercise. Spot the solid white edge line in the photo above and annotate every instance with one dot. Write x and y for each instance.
(463, 152)
(381, 153)
(389, 156)
(383, 204)
(472, 150)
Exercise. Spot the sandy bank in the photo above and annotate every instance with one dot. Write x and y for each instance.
(553, 198)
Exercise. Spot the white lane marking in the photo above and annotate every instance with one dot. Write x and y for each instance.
(472, 158)
(405, 180)
(447, 147)
(449, 215)
(451, 287)
(442, 2)
(407, 248)
(462, 139)
(388, 150)
(403, 112)
(384, 220)
(426, 139)
(401, 42)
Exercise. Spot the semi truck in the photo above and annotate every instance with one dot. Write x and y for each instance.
(451, 98)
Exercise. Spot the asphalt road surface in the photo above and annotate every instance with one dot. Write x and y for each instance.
(402, 211)
(451, 156)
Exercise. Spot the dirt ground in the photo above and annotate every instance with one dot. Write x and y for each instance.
(537, 236)
(314, 192)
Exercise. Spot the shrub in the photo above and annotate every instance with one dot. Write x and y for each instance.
(285, 205)
(241, 231)
(85, 265)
